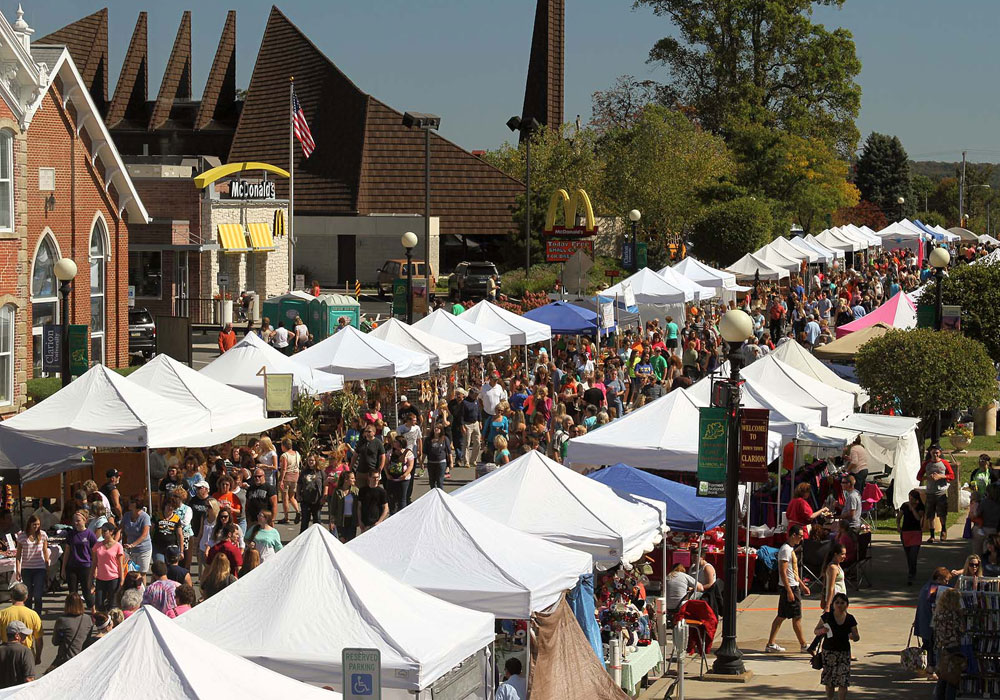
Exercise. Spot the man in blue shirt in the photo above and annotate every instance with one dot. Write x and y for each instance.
(812, 331)
(514, 686)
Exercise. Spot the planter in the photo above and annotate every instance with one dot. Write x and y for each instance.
(222, 311)
(959, 442)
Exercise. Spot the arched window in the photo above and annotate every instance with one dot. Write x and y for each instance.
(98, 259)
(6, 180)
(7, 315)
(44, 296)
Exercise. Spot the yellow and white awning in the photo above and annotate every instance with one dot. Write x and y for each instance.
(260, 237)
(232, 238)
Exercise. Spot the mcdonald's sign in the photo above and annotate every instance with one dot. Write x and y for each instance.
(570, 205)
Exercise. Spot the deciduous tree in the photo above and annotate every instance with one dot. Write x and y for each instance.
(730, 230)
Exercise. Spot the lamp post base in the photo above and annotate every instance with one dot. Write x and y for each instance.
(728, 659)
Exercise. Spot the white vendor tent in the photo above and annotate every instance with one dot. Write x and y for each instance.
(539, 496)
(823, 257)
(104, 409)
(651, 288)
(775, 258)
(705, 275)
(991, 258)
(897, 234)
(810, 240)
(441, 546)
(851, 234)
(479, 340)
(699, 292)
(663, 434)
(832, 238)
(865, 233)
(36, 459)
(520, 330)
(750, 266)
(231, 412)
(789, 250)
(357, 355)
(442, 353)
(315, 597)
(151, 656)
(794, 355)
(240, 367)
(987, 239)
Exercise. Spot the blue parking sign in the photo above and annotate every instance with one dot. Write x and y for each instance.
(361, 684)
(361, 674)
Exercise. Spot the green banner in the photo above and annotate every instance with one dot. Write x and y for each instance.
(925, 315)
(640, 255)
(79, 346)
(399, 297)
(713, 429)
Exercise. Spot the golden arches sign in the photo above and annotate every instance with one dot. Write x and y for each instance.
(570, 204)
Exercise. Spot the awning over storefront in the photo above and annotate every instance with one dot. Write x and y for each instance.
(232, 239)
(260, 237)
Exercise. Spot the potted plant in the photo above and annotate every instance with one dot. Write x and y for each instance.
(960, 437)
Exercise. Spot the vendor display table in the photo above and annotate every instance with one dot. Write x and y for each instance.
(7, 566)
(637, 664)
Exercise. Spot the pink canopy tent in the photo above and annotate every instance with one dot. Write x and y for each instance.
(899, 312)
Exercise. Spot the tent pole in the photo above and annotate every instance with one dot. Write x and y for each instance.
(62, 492)
(149, 484)
(527, 658)
(746, 571)
(395, 403)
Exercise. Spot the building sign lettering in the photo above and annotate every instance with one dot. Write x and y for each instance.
(243, 189)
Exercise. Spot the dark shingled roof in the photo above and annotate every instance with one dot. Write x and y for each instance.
(176, 83)
(132, 90)
(87, 41)
(365, 160)
(218, 101)
(543, 92)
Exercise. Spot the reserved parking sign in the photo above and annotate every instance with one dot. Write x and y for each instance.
(362, 674)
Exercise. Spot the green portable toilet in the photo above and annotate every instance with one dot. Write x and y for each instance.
(318, 321)
(338, 305)
(286, 307)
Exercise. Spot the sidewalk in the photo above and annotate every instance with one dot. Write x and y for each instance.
(884, 613)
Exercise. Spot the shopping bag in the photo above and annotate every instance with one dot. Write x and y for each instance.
(913, 659)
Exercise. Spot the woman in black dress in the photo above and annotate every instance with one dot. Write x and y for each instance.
(839, 629)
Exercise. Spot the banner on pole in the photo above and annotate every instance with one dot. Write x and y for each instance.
(79, 347)
(51, 347)
(278, 392)
(628, 296)
(713, 429)
(608, 315)
(753, 444)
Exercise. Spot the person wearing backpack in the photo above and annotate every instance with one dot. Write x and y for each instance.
(311, 486)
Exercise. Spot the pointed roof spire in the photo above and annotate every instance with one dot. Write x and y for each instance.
(543, 91)
(22, 30)
(176, 83)
(132, 89)
(218, 101)
(87, 42)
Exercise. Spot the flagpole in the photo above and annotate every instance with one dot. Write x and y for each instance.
(291, 183)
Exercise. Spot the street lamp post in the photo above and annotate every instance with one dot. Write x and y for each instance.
(525, 127)
(735, 327)
(427, 122)
(939, 259)
(901, 201)
(634, 217)
(409, 240)
(65, 270)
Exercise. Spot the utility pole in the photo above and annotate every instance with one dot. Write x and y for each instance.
(961, 194)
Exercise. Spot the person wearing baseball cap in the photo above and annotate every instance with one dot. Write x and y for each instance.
(17, 663)
(110, 491)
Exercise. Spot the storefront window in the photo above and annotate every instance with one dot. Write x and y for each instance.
(44, 299)
(145, 273)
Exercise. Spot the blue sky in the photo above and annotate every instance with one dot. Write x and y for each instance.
(926, 77)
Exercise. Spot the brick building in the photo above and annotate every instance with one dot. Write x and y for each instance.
(64, 192)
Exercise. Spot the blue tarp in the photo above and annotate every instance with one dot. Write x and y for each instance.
(929, 231)
(581, 602)
(686, 511)
(566, 319)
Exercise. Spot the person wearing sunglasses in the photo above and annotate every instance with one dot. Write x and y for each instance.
(973, 567)
(839, 628)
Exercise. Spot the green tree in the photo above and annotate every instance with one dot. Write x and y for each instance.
(659, 166)
(921, 188)
(922, 372)
(944, 200)
(883, 174)
(930, 218)
(622, 105)
(730, 230)
(557, 162)
(764, 61)
(976, 288)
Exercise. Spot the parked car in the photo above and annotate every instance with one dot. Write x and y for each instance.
(141, 332)
(396, 269)
(469, 280)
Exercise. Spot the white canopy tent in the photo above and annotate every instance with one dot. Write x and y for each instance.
(699, 292)
(520, 330)
(651, 288)
(150, 656)
(34, 459)
(357, 355)
(790, 250)
(775, 258)
(705, 275)
(478, 340)
(443, 547)
(811, 241)
(442, 353)
(750, 266)
(991, 258)
(231, 412)
(315, 597)
(865, 233)
(818, 256)
(240, 367)
(852, 233)
(832, 238)
(539, 496)
(104, 409)
(794, 355)
(987, 239)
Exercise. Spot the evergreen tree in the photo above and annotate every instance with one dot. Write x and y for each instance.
(883, 174)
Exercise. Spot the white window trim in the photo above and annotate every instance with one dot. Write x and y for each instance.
(100, 231)
(9, 342)
(9, 135)
(36, 331)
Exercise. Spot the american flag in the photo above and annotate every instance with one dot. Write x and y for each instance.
(301, 127)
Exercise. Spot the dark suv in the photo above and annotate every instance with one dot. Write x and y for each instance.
(141, 332)
(469, 280)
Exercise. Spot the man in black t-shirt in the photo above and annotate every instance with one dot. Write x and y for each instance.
(260, 496)
(373, 503)
(199, 507)
(370, 455)
(170, 482)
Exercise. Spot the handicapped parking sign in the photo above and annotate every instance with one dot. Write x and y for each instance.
(361, 674)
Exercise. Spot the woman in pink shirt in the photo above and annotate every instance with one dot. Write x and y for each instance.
(110, 567)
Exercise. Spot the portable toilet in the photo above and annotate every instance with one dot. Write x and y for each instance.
(318, 319)
(340, 305)
(286, 307)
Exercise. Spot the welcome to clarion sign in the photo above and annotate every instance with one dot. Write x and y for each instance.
(242, 189)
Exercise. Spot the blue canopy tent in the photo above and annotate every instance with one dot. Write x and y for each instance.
(567, 319)
(686, 511)
(934, 235)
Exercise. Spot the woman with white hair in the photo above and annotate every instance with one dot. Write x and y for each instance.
(131, 601)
